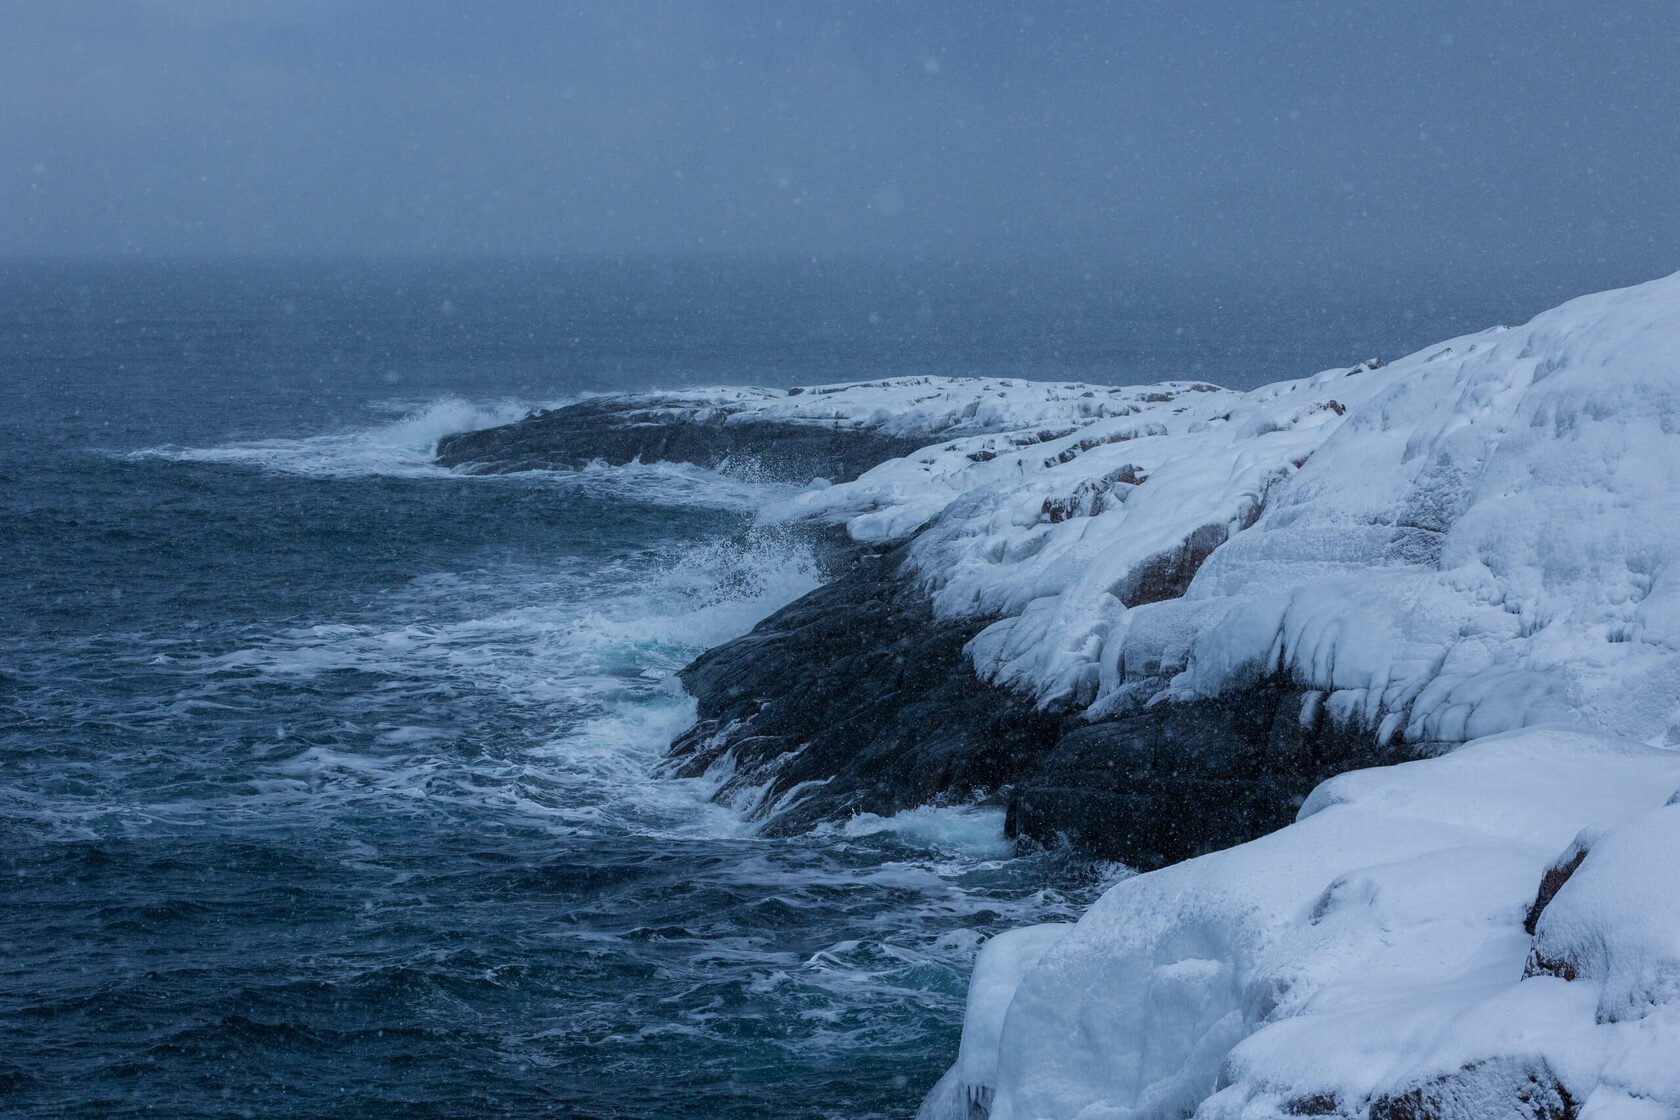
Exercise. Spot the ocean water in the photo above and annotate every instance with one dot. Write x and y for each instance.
(328, 778)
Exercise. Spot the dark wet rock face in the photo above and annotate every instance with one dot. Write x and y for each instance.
(619, 430)
(1314, 1104)
(857, 699)
(1498, 1089)
(856, 687)
(1550, 883)
(1176, 780)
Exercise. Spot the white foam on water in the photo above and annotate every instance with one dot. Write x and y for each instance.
(402, 446)
(737, 488)
(579, 661)
(582, 653)
(573, 664)
(969, 830)
(406, 447)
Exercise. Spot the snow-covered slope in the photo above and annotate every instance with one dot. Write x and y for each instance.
(1468, 540)
(1479, 542)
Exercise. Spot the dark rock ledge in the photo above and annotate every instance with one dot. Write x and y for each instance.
(1502, 1087)
(618, 430)
(856, 698)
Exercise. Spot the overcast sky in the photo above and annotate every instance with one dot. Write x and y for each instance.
(1471, 134)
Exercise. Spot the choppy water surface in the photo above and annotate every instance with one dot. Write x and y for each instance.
(329, 790)
(327, 777)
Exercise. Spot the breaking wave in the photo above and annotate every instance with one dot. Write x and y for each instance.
(405, 447)
(401, 446)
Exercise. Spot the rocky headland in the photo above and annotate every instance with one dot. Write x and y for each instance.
(1380, 668)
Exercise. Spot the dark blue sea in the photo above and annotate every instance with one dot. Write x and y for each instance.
(328, 777)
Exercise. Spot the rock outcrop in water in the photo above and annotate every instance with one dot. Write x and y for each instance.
(855, 699)
(862, 698)
(652, 429)
(835, 432)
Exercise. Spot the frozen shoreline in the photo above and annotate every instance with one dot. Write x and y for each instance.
(1477, 542)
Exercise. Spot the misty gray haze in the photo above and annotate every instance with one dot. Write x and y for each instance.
(1537, 138)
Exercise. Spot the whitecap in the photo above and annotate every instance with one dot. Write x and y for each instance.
(406, 446)
(402, 446)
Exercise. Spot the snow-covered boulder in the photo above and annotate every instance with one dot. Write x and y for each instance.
(1614, 922)
(1370, 959)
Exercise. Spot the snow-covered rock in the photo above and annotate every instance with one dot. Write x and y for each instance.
(924, 406)
(1375, 950)
(1479, 545)
(1474, 538)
